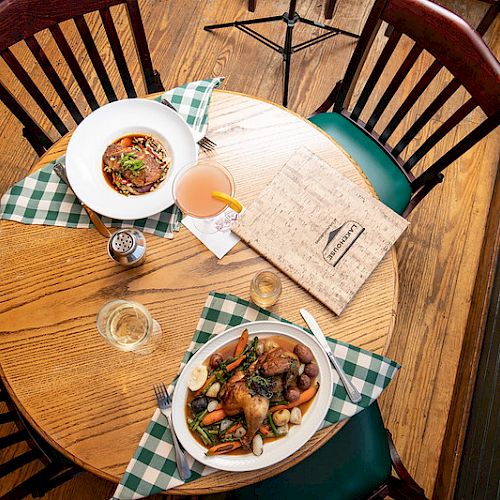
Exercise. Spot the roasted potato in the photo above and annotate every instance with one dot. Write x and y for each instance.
(199, 404)
(281, 417)
(303, 382)
(303, 353)
(215, 360)
(311, 370)
(292, 394)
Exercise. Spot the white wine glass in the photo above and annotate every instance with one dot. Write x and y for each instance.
(128, 326)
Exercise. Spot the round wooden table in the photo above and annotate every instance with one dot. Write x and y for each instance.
(92, 402)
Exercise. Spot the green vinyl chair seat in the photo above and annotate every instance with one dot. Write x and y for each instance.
(351, 465)
(390, 184)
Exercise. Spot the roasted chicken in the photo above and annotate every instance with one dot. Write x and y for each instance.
(277, 362)
(237, 397)
(252, 394)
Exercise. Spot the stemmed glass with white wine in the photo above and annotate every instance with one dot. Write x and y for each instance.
(128, 326)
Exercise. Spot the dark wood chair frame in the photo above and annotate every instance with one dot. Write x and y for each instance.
(402, 487)
(22, 19)
(56, 470)
(455, 46)
(487, 20)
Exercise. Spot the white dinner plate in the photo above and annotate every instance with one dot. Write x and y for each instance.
(107, 124)
(278, 449)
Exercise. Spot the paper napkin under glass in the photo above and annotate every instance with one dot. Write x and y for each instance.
(152, 468)
(220, 242)
(42, 198)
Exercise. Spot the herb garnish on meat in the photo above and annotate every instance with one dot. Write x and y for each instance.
(259, 385)
(130, 162)
(251, 354)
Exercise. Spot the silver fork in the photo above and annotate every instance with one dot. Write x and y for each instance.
(165, 406)
(204, 142)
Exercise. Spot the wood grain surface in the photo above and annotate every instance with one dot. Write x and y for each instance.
(93, 402)
(438, 256)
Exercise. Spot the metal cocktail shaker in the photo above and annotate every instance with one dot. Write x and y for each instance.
(127, 247)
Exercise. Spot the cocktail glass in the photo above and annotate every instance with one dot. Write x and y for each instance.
(193, 187)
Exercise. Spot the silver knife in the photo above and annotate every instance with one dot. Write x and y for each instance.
(60, 170)
(352, 392)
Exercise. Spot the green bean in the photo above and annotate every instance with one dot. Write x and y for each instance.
(198, 419)
(271, 423)
(204, 437)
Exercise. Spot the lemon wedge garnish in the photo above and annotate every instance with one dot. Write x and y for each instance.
(231, 202)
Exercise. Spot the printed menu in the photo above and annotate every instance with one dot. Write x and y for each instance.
(320, 228)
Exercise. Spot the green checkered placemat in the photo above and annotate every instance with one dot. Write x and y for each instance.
(152, 469)
(42, 198)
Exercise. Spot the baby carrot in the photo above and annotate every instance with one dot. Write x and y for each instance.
(264, 430)
(240, 346)
(218, 449)
(232, 428)
(235, 364)
(212, 417)
(304, 397)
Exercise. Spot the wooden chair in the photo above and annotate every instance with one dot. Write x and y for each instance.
(356, 463)
(483, 26)
(16, 433)
(20, 20)
(455, 46)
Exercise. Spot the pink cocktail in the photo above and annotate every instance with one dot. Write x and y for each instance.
(193, 188)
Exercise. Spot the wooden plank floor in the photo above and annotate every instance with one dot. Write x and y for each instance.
(438, 256)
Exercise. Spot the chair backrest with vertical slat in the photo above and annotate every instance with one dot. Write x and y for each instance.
(21, 20)
(455, 46)
(22, 445)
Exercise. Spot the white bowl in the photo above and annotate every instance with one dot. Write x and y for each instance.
(274, 451)
(107, 124)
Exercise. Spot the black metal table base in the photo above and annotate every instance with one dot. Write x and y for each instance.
(291, 18)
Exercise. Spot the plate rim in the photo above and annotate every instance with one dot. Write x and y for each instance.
(178, 414)
(108, 211)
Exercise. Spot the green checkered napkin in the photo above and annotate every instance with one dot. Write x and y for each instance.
(42, 198)
(152, 469)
